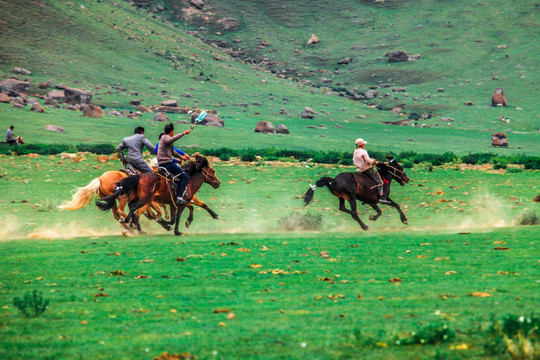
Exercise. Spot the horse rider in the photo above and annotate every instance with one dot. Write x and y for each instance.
(183, 156)
(165, 160)
(10, 139)
(364, 165)
(135, 144)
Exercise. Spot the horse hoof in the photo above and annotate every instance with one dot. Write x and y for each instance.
(372, 218)
(177, 233)
(216, 217)
(366, 228)
(187, 224)
(405, 222)
(142, 232)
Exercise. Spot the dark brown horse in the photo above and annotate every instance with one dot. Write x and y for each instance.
(148, 187)
(353, 186)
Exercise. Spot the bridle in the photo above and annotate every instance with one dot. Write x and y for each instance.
(211, 179)
(395, 172)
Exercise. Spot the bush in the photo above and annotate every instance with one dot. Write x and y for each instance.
(430, 334)
(32, 304)
(529, 218)
(519, 336)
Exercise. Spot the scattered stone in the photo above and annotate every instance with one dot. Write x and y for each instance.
(54, 128)
(56, 95)
(37, 107)
(4, 98)
(314, 39)
(117, 113)
(161, 117)
(60, 86)
(306, 115)
(77, 96)
(498, 98)
(397, 109)
(227, 23)
(135, 102)
(410, 139)
(170, 103)
(91, 110)
(447, 119)
(469, 103)
(265, 127)
(345, 61)
(199, 4)
(144, 109)
(209, 120)
(22, 71)
(310, 110)
(499, 139)
(14, 87)
(440, 90)
(282, 129)
(370, 94)
(397, 56)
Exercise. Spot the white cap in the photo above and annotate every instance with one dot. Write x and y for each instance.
(360, 141)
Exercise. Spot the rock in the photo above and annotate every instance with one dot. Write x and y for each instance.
(282, 129)
(499, 139)
(345, 61)
(228, 24)
(396, 56)
(37, 108)
(135, 102)
(4, 98)
(117, 113)
(397, 109)
(265, 127)
(310, 110)
(18, 102)
(54, 128)
(498, 98)
(56, 95)
(306, 115)
(170, 103)
(161, 117)
(314, 39)
(447, 119)
(77, 96)
(91, 110)
(22, 71)
(209, 120)
(199, 4)
(144, 109)
(60, 86)
(440, 90)
(14, 87)
(338, 126)
(468, 103)
(370, 94)
(50, 101)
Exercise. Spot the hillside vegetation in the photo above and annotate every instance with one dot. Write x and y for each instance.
(153, 51)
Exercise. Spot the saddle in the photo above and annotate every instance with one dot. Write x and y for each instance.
(166, 174)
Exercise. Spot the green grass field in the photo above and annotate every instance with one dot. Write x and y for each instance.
(338, 292)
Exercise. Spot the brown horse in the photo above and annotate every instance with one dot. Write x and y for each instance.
(106, 184)
(353, 186)
(149, 187)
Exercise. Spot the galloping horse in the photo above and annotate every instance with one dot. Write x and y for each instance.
(352, 186)
(106, 184)
(149, 187)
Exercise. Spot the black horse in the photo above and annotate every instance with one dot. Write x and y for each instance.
(352, 186)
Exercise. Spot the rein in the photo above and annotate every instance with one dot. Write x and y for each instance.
(395, 172)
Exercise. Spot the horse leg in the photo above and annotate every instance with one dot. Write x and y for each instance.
(354, 213)
(379, 212)
(177, 220)
(402, 216)
(342, 206)
(196, 201)
(190, 217)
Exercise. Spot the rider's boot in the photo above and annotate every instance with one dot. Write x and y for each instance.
(383, 199)
(180, 193)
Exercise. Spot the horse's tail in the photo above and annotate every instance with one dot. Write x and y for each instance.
(82, 197)
(324, 181)
(125, 186)
(537, 198)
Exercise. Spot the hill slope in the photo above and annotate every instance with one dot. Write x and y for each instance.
(123, 52)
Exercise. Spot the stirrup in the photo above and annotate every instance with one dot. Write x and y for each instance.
(180, 201)
(384, 201)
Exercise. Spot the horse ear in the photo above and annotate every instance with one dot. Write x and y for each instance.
(389, 157)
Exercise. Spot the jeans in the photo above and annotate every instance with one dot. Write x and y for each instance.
(376, 177)
(180, 177)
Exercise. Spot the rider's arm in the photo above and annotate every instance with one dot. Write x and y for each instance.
(120, 151)
(149, 145)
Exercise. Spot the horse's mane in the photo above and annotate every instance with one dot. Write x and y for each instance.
(197, 163)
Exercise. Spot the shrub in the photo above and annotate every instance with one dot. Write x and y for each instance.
(32, 304)
(430, 334)
(519, 336)
(529, 218)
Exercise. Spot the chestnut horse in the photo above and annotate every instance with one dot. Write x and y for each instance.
(106, 184)
(353, 186)
(148, 187)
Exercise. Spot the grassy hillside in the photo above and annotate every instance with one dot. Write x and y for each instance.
(122, 52)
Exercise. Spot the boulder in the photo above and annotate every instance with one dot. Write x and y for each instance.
(306, 115)
(135, 102)
(170, 103)
(14, 87)
(22, 71)
(345, 61)
(499, 139)
(265, 127)
(18, 102)
(282, 129)
(199, 4)
(228, 23)
(116, 113)
(144, 109)
(56, 95)
(161, 117)
(4, 98)
(51, 102)
(54, 128)
(396, 56)
(209, 120)
(498, 98)
(91, 110)
(77, 96)
(37, 108)
(314, 39)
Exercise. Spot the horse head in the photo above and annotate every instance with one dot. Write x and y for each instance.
(397, 171)
(201, 164)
